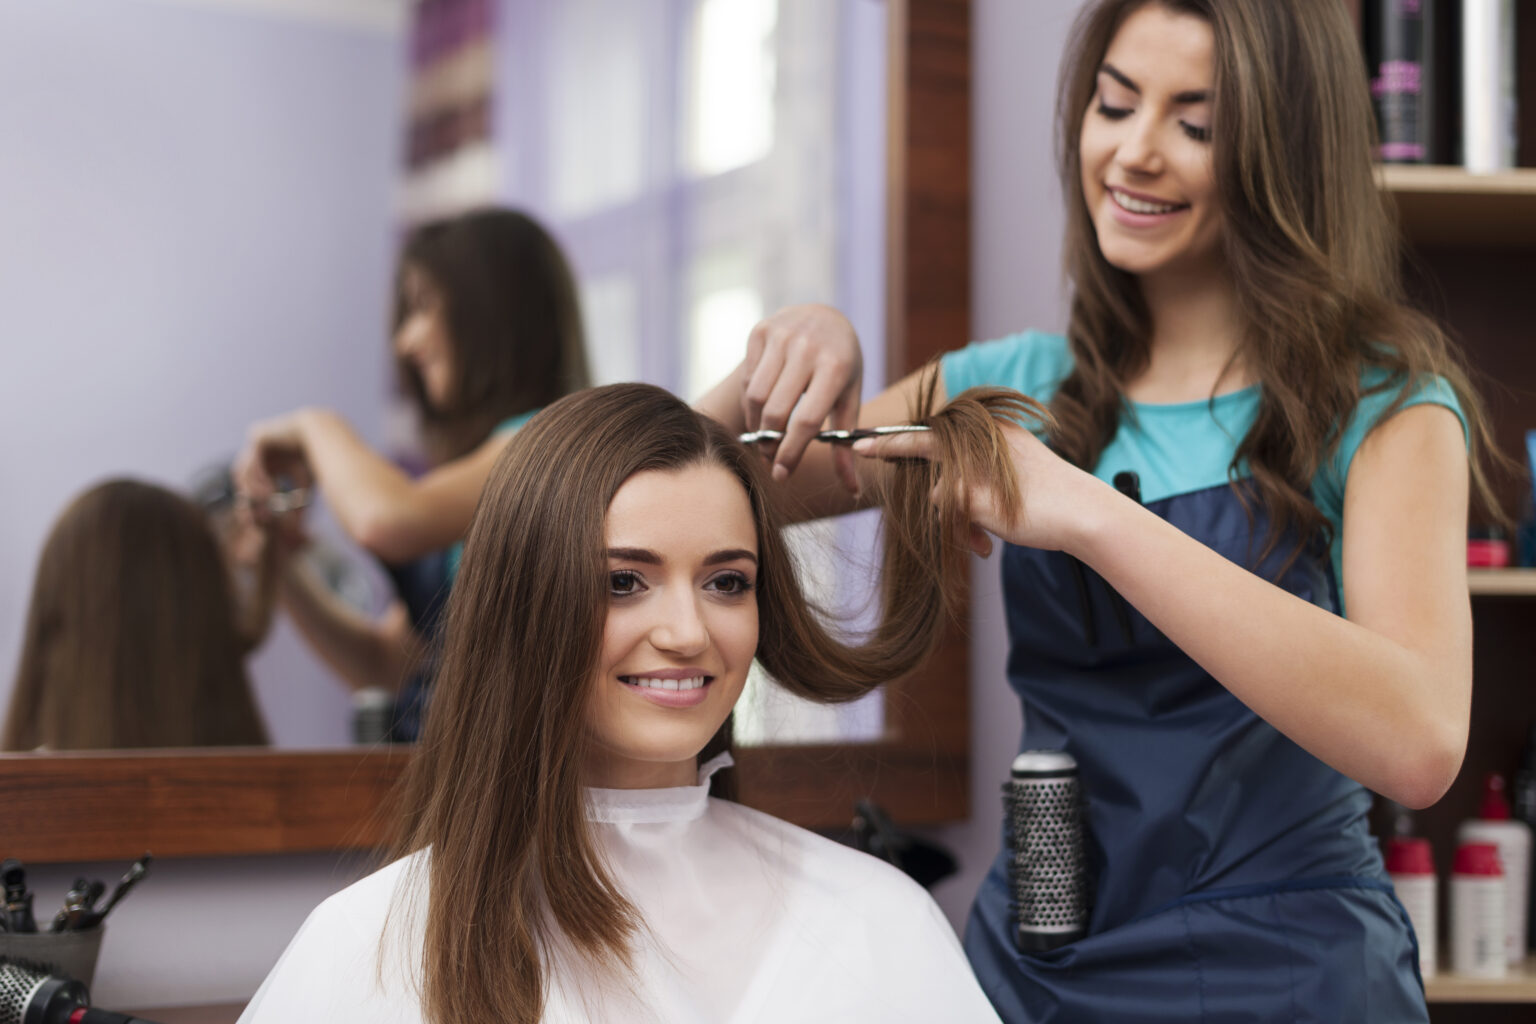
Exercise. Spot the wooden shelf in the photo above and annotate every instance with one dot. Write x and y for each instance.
(1502, 582)
(1519, 986)
(1447, 206)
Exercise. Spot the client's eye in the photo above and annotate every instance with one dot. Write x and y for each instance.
(624, 582)
(730, 583)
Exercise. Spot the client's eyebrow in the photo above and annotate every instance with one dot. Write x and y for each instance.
(634, 555)
(1191, 96)
(731, 555)
(648, 557)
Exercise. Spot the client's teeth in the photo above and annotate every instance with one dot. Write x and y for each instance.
(646, 682)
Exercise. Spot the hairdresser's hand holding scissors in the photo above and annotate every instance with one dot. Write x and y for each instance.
(274, 449)
(803, 370)
(1056, 499)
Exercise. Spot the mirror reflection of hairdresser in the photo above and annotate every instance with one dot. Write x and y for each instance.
(1269, 616)
(570, 854)
(486, 332)
(134, 635)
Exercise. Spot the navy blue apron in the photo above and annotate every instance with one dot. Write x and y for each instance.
(1234, 876)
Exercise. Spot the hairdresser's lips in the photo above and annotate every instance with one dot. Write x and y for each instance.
(1138, 210)
(671, 688)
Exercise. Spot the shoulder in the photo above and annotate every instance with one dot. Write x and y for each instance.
(1033, 362)
(512, 424)
(1382, 394)
(334, 963)
(869, 943)
(831, 871)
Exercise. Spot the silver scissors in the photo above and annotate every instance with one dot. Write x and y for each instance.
(836, 436)
(280, 502)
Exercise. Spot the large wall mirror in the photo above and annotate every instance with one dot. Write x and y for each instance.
(212, 194)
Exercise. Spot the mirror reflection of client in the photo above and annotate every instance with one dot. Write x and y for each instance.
(134, 637)
(563, 859)
(486, 332)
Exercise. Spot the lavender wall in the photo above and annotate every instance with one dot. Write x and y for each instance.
(195, 232)
(1016, 224)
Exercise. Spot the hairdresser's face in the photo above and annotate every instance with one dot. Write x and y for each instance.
(1145, 147)
(422, 337)
(681, 628)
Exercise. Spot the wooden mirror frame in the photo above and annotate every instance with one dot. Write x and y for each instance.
(189, 803)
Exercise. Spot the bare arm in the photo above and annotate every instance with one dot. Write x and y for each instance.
(363, 652)
(387, 512)
(1383, 696)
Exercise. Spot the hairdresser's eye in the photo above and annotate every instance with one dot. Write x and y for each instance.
(1200, 133)
(624, 582)
(1112, 113)
(730, 584)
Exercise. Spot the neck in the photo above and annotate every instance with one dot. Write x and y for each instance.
(605, 770)
(1196, 337)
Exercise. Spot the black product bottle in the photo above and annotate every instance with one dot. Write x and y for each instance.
(1523, 801)
(1399, 58)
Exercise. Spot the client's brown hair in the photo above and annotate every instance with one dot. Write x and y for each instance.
(132, 637)
(495, 789)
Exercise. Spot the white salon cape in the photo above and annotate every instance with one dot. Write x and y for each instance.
(748, 919)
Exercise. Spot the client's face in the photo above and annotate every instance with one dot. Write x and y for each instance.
(682, 624)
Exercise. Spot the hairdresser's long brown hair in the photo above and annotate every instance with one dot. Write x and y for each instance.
(1311, 243)
(512, 316)
(495, 790)
(131, 638)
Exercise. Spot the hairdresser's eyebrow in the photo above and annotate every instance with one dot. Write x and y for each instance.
(1190, 96)
(731, 555)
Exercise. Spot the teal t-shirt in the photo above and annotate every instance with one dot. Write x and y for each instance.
(508, 426)
(1186, 446)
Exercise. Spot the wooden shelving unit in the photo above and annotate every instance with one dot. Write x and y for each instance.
(1502, 582)
(1470, 261)
(1519, 986)
(1447, 206)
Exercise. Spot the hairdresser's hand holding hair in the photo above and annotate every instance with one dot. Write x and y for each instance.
(486, 332)
(1048, 514)
(1236, 588)
(570, 852)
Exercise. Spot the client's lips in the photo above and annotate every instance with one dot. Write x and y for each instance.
(671, 688)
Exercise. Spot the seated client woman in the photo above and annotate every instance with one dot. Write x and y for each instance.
(570, 851)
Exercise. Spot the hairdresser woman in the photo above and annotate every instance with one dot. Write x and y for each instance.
(1269, 616)
(486, 332)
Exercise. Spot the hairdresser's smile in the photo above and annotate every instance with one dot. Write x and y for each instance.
(1143, 205)
(1145, 147)
(681, 626)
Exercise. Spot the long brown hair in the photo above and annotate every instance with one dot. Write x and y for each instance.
(131, 638)
(512, 316)
(495, 788)
(1311, 243)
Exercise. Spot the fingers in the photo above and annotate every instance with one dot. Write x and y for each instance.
(896, 447)
(980, 541)
(763, 363)
(845, 416)
(802, 368)
(828, 395)
(250, 474)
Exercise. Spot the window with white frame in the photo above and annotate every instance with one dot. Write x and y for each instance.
(704, 162)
